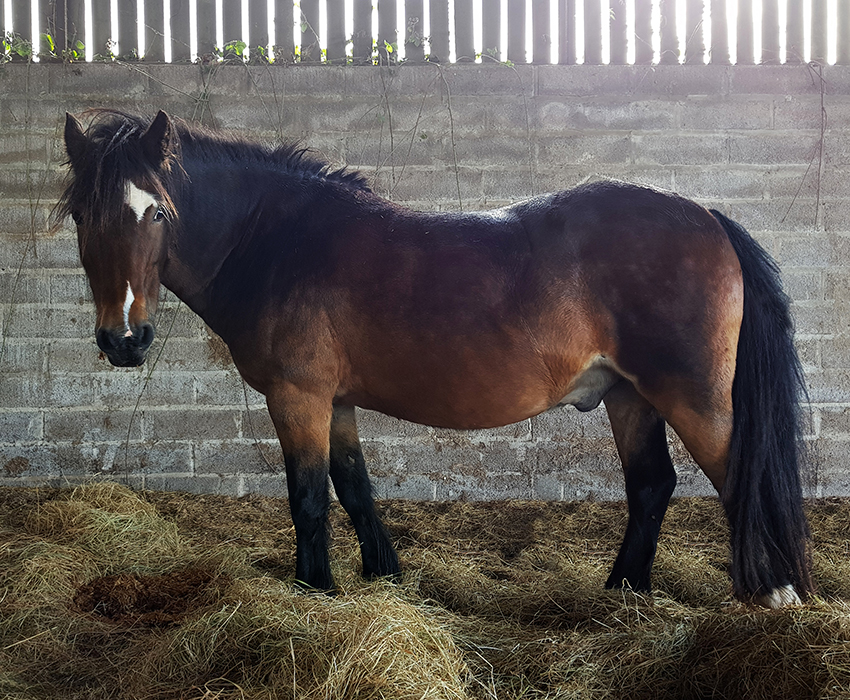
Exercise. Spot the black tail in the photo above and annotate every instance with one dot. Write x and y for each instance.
(762, 494)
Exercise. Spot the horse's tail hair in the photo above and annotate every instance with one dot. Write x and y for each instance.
(762, 493)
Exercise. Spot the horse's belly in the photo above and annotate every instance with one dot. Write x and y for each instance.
(479, 394)
(457, 395)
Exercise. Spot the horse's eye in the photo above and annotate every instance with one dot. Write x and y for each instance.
(159, 215)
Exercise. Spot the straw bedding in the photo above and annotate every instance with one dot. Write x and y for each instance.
(107, 593)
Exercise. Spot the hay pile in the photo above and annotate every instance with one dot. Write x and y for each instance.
(105, 593)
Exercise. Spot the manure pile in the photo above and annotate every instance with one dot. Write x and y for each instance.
(107, 593)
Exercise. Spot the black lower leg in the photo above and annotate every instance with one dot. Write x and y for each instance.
(308, 503)
(354, 490)
(650, 480)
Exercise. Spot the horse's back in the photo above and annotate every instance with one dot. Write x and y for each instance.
(481, 319)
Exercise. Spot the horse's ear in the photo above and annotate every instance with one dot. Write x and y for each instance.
(75, 139)
(157, 140)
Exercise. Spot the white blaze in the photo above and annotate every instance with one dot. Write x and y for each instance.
(138, 200)
(129, 298)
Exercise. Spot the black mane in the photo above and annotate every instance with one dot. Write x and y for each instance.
(291, 157)
(114, 156)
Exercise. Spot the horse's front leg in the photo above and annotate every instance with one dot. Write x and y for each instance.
(354, 490)
(302, 418)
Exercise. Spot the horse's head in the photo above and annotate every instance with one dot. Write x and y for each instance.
(119, 200)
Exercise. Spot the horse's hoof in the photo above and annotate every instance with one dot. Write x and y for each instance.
(304, 587)
(778, 598)
(392, 577)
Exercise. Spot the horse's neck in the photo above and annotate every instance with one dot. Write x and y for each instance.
(212, 210)
(217, 207)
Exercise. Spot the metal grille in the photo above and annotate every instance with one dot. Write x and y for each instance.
(372, 31)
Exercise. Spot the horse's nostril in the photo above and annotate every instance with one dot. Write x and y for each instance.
(146, 334)
(104, 341)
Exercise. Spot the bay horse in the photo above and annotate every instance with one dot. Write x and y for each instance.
(330, 297)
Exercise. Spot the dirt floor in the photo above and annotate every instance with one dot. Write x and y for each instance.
(106, 593)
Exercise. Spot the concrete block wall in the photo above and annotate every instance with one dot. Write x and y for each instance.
(766, 144)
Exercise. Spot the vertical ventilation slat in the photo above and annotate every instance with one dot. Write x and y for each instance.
(414, 31)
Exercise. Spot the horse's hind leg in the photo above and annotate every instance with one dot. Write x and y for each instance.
(351, 482)
(650, 479)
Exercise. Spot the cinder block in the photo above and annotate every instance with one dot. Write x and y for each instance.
(58, 253)
(23, 80)
(829, 386)
(21, 426)
(33, 149)
(494, 487)
(195, 424)
(97, 79)
(164, 80)
(270, 485)
(24, 219)
(566, 424)
(833, 218)
(719, 182)
(600, 114)
(583, 484)
(441, 185)
(507, 185)
(691, 482)
(836, 352)
(219, 388)
(707, 113)
(581, 148)
(238, 456)
(783, 215)
(547, 487)
(91, 458)
(835, 422)
(24, 356)
(365, 152)
(376, 426)
(773, 147)
(817, 318)
(77, 355)
(798, 111)
(837, 285)
(810, 353)
(782, 80)
(680, 149)
(257, 425)
(153, 457)
(70, 287)
(488, 79)
(398, 81)
(198, 484)
(122, 387)
(833, 477)
(24, 287)
(27, 460)
(92, 426)
(811, 250)
(37, 391)
(485, 149)
(586, 81)
(41, 321)
(36, 183)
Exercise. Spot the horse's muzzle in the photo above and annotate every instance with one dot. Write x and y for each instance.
(126, 349)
